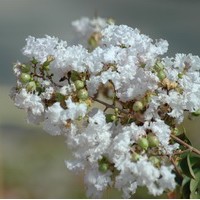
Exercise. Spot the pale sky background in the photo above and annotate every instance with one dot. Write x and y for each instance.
(174, 20)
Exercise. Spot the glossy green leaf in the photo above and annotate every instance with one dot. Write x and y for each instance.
(195, 161)
(190, 166)
(186, 167)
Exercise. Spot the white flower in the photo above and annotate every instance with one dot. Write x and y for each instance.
(56, 117)
(119, 150)
(47, 94)
(29, 101)
(92, 142)
(70, 58)
(96, 182)
(162, 131)
(40, 48)
(53, 123)
(86, 26)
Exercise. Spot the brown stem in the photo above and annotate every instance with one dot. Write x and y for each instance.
(185, 144)
(175, 166)
(109, 106)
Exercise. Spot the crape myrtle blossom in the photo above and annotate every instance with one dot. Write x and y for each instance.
(127, 143)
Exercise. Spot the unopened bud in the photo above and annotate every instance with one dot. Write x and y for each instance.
(159, 66)
(135, 156)
(161, 75)
(143, 143)
(83, 94)
(25, 78)
(74, 76)
(31, 86)
(138, 106)
(155, 161)
(180, 75)
(153, 140)
(25, 68)
(79, 84)
(103, 167)
(110, 118)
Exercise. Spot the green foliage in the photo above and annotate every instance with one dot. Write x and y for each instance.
(190, 185)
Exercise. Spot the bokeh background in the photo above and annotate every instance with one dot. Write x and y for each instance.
(32, 162)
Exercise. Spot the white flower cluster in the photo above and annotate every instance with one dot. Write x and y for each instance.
(128, 143)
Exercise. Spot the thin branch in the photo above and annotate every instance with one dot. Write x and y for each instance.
(109, 106)
(185, 144)
(175, 166)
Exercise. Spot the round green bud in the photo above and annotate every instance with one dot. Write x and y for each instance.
(103, 167)
(153, 140)
(74, 76)
(83, 94)
(143, 143)
(46, 67)
(116, 110)
(25, 68)
(110, 118)
(159, 66)
(31, 86)
(135, 156)
(161, 75)
(176, 131)
(79, 84)
(138, 106)
(155, 161)
(25, 78)
(196, 113)
(180, 75)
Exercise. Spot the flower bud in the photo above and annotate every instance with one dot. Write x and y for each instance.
(74, 76)
(159, 66)
(153, 140)
(155, 161)
(110, 118)
(46, 67)
(138, 106)
(176, 131)
(135, 156)
(25, 68)
(103, 167)
(161, 75)
(180, 75)
(31, 86)
(143, 143)
(83, 94)
(79, 84)
(25, 78)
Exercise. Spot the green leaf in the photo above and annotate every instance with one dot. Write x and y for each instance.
(184, 137)
(195, 195)
(195, 161)
(186, 188)
(190, 166)
(186, 166)
(195, 183)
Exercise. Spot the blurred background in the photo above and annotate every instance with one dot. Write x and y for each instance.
(31, 161)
